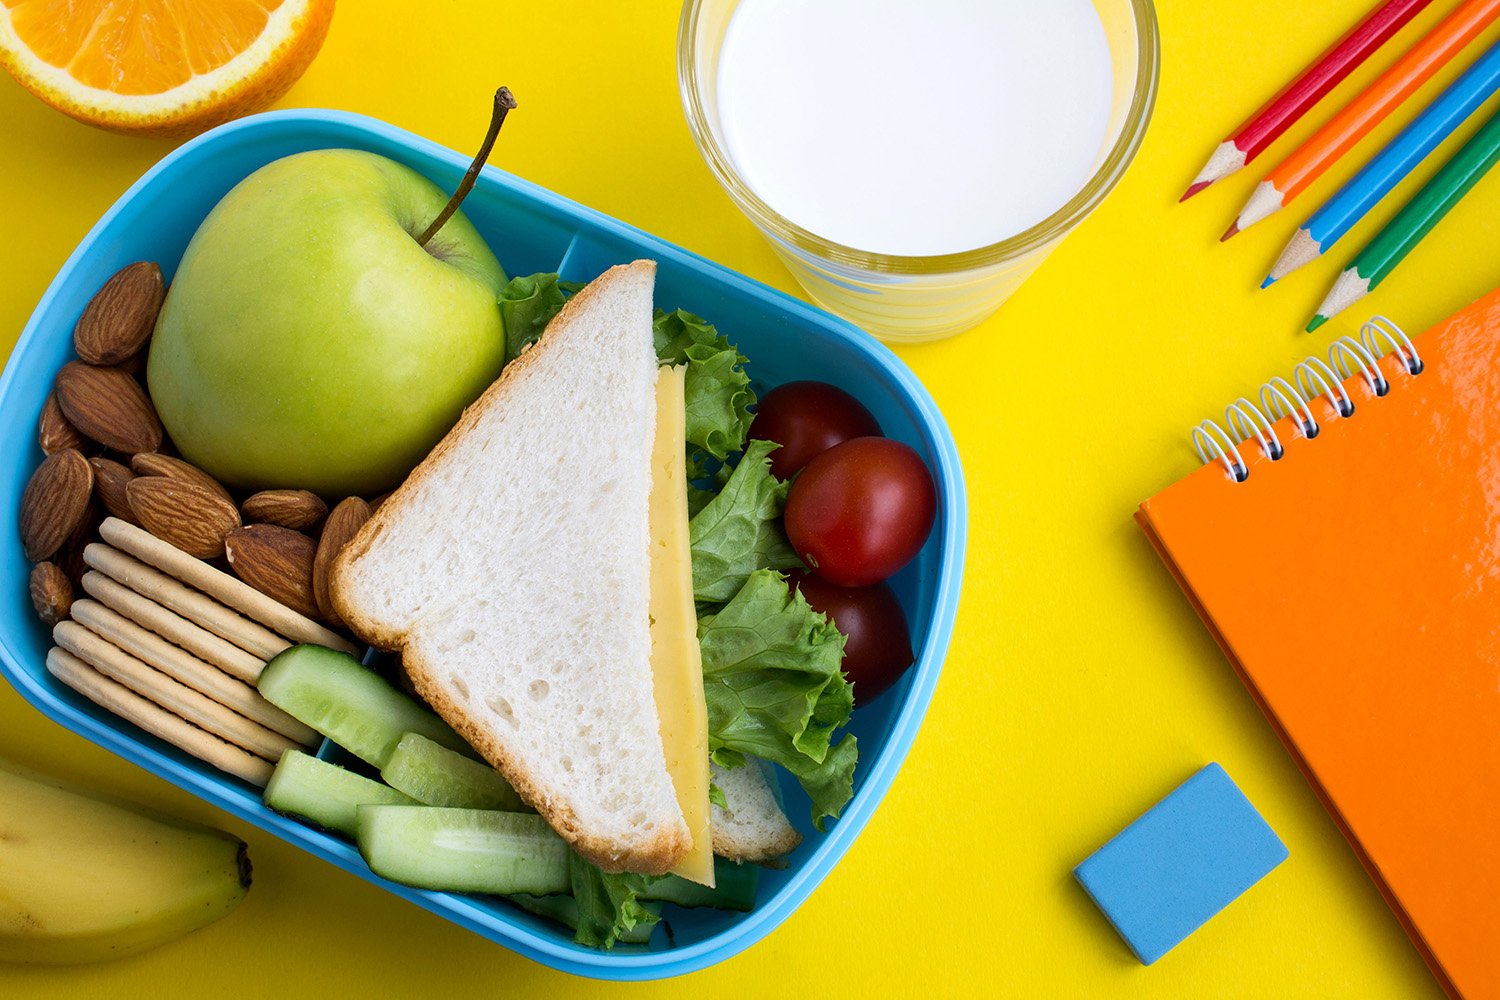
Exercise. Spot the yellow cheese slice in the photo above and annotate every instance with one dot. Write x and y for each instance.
(676, 663)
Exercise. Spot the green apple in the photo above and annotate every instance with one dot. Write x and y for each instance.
(308, 341)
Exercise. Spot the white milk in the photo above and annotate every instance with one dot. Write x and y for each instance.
(915, 127)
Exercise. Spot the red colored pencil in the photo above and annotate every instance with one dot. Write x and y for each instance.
(1293, 101)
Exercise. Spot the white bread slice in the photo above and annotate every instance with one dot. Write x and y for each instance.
(511, 570)
(751, 825)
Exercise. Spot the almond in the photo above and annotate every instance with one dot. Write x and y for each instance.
(118, 320)
(51, 593)
(53, 431)
(55, 502)
(108, 406)
(110, 480)
(149, 463)
(191, 517)
(342, 525)
(296, 509)
(276, 561)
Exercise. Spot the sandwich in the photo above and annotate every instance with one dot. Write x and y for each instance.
(536, 573)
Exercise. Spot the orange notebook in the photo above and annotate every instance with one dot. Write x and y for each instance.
(1354, 584)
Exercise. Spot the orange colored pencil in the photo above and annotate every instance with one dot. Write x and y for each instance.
(1309, 161)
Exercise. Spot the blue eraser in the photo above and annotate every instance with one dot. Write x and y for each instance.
(1188, 857)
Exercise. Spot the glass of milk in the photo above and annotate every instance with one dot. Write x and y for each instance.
(913, 161)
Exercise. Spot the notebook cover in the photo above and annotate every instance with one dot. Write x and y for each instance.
(1355, 586)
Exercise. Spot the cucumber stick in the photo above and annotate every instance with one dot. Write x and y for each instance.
(325, 793)
(349, 703)
(437, 776)
(463, 850)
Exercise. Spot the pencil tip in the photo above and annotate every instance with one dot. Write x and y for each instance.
(1194, 189)
(1268, 282)
(1317, 321)
(1234, 227)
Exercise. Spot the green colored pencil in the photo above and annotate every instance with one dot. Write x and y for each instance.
(1426, 209)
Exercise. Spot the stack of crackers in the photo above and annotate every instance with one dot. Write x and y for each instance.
(175, 646)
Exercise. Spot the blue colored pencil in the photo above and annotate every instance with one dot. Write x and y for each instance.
(1341, 212)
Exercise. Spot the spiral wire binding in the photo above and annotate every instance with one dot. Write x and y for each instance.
(1379, 326)
(1245, 418)
(1314, 377)
(1345, 348)
(1315, 368)
(1276, 398)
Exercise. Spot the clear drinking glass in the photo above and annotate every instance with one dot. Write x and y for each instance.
(915, 298)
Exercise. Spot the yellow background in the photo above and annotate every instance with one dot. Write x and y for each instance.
(1079, 688)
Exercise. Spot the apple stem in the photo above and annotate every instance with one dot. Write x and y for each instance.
(505, 102)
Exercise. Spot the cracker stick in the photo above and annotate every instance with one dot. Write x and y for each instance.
(173, 695)
(154, 651)
(235, 593)
(189, 603)
(120, 700)
(173, 627)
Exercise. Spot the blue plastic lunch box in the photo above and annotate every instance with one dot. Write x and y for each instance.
(531, 230)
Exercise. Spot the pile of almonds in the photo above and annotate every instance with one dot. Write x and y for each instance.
(106, 454)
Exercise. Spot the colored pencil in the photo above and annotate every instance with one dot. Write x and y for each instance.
(1339, 214)
(1292, 101)
(1425, 210)
(1308, 162)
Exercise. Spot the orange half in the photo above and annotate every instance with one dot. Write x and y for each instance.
(160, 67)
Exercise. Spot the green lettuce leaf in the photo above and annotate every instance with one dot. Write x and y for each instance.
(771, 676)
(697, 500)
(717, 390)
(739, 531)
(607, 904)
(527, 305)
(564, 910)
(830, 784)
(716, 796)
(710, 472)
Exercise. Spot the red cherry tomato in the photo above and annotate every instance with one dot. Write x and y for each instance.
(878, 649)
(861, 510)
(806, 419)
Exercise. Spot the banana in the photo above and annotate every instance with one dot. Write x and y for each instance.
(85, 877)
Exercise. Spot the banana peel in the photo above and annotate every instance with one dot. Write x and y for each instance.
(86, 877)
